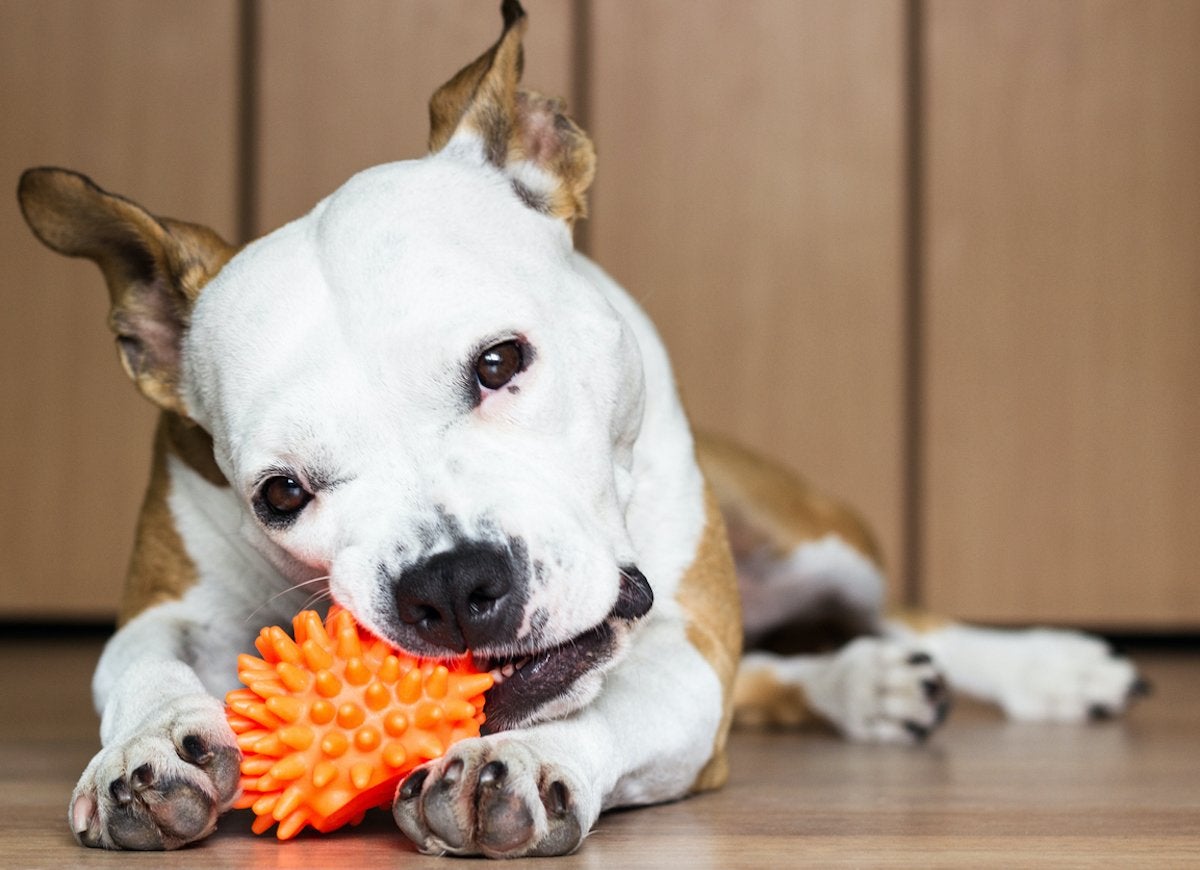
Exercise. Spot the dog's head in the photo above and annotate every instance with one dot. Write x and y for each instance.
(413, 389)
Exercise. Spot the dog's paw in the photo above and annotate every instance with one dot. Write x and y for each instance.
(490, 796)
(881, 691)
(164, 787)
(1064, 676)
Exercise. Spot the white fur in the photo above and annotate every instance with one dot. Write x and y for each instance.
(1034, 675)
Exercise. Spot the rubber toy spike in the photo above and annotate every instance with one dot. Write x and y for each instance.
(332, 719)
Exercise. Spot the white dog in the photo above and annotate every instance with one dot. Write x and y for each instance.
(420, 402)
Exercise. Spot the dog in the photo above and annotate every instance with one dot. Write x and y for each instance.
(421, 403)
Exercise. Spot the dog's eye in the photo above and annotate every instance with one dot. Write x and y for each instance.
(284, 496)
(498, 364)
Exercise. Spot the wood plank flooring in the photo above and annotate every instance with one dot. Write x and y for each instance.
(983, 793)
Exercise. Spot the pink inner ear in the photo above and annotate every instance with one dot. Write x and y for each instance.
(540, 136)
(82, 813)
(150, 326)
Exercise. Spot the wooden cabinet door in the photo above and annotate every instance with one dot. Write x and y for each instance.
(750, 193)
(346, 86)
(1062, 411)
(141, 95)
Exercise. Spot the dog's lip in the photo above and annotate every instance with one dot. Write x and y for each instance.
(525, 684)
(527, 681)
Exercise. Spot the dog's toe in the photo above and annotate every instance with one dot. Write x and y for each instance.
(162, 788)
(1065, 676)
(505, 821)
(488, 797)
(882, 691)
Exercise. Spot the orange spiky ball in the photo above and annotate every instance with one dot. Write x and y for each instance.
(331, 721)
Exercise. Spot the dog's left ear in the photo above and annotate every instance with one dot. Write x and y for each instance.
(155, 269)
(549, 159)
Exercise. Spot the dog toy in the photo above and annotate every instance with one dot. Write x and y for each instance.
(332, 720)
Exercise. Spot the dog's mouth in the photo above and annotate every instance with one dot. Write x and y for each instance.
(533, 681)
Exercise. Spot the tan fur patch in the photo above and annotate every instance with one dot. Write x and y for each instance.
(919, 621)
(767, 505)
(761, 700)
(709, 596)
(160, 569)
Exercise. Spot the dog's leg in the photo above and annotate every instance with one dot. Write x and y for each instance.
(872, 689)
(809, 573)
(1034, 674)
(169, 762)
(539, 790)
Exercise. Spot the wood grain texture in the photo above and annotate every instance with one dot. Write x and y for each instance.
(343, 88)
(1063, 300)
(140, 95)
(983, 793)
(750, 194)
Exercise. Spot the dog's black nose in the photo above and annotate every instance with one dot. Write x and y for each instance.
(464, 598)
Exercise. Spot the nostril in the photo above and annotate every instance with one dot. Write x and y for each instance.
(481, 603)
(426, 615)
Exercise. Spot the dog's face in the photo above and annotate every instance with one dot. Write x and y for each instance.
(413, 390)
(417, 394)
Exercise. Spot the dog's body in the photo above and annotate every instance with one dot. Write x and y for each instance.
(420, 402)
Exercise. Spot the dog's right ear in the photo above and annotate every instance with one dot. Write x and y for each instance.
(155, 268)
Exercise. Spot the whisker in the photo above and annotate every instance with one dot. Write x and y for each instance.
(292, 588)
(316, 597)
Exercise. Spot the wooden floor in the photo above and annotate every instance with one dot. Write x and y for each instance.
(984, 793)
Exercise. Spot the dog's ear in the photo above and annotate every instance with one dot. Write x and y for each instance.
(550, 160)
(155, 268)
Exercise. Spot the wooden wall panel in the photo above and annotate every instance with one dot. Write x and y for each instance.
(1063, 356)
(750, 193)
(141, 95)
(346, 86)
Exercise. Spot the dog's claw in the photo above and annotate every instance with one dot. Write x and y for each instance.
(119, 789)
(143, 777)
(194, 749)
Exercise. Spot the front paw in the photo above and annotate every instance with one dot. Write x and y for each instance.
(881, 691)
(490, 796)
(165, 786)
(1065, 676)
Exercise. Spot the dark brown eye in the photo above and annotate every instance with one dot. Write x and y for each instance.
(284, 496)
(498, 364)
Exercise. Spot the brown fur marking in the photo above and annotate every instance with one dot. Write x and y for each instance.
(919, 620)
(160, 569)
(767, 505)
(709, 596)
(761, 700)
